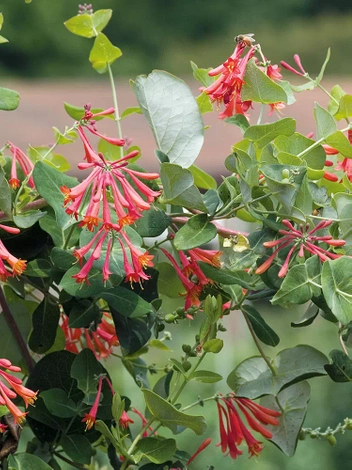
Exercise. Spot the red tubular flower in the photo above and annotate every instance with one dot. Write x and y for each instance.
(14, 266)
(233, 431)
(140, 260)
(287, 66)
(100, 342)
(8, 394)
(200, 449)
(346, 166)
(125, 420)
(90, 418)
(273, 72)
(88, 115)
(108, 181)
(25, 163)
(303, 240)
(3, 428)
(227, 87)
(276, 107)
(144, 421)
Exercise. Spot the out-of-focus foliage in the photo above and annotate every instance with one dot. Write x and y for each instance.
(154, 33)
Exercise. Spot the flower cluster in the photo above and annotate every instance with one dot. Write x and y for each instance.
(302, 240)
(233, 431)
(10, 391)
(14, 266)
(227, 87)
(110, 198)
(24, 162)
(101, 340)
(345, 165)
(191, 276)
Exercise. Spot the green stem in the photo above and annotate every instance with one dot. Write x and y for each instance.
(260, 117)
(317, 143)
(117, 114)
(69, 235)
(199, 402)
(341, 328)
(188, 378)
(257, 343)
(70, 462)
(332, 98)
(135, 442)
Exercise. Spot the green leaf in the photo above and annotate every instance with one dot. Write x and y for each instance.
(126, 302)
(301, 283)
(264, 133)
(307, 318)
(154, 449)
(28, 218)
(296, 144)
(197, 231)
(202, 179)
(157, 344)
(45, 321)
(260, 88)
(83, 313)
(85, 369)
(25, 461)
(78, 448)
(173, 115)
(153, 223)
(95, 287)
(48, 182)
(293, 406)
(77, 112)
(9, 99)
(239, 120)
(81, 25)
(253, 378)
(213, 345)
(129, 111)
(339, 141)
(326, 124)
(204, 103)
(262, 330)
(341, 368)
(206, 376)
(337, 93)
(169, 283)
(58, 403)
(179, 188)
(38, 268)
(343, 204)
(134, 333)
(224, 276)
(345, 108)
(304, 87)
(169, 416)
(62, 259)
(103, 53)
(202, 75)
(5, 194)
(88, 25)
(321, 73)
(337, 287)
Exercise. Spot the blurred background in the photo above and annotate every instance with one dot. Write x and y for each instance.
(48, 66)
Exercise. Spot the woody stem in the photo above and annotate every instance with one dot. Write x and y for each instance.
(15, 331)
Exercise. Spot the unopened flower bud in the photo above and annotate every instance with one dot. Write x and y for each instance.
(186, 348)
(169, 318)
(285, 173)
(331, 440)
(186, 366)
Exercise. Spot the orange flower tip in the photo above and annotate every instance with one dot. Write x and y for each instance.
(14, 183)
(89, 420)
(65, 190)
(3, 428)
(20, 419)
(19, 267)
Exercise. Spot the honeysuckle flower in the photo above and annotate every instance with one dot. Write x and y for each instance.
(14, 266)
(8, 393)
(140, 260)
(226, 89)
(232, 429)
(88, 115)
(108, 180)
(276, 107)
(25, 163)
(144, 422)
(273, 72)
(200, 449)
(3, 428)
(125, 420)
(90, 418)
(101, 341)
(297, 59)
(301, 240)
(346, 167)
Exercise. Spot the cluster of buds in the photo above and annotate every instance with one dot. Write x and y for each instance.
(233, 431)
(226, 89)
(10, 391)
(85, 9)
(117, 197)
(302, 241)
(100, 341)
(191, 276)
(24, 162)
(14, 266)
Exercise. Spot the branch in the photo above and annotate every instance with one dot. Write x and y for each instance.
(38, 204)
